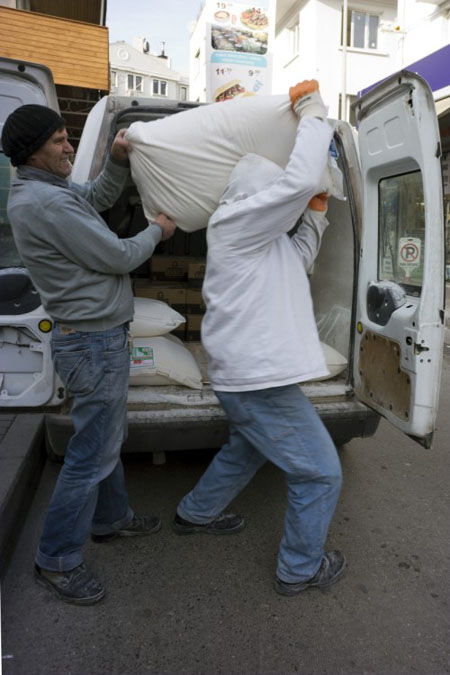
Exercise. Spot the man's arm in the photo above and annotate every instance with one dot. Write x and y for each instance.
(104, 190)
(307, 239)
(86, 240)
(262, 217)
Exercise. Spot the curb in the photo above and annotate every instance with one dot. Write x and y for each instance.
(22, 459)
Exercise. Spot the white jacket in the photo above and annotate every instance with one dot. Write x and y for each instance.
(259, 329)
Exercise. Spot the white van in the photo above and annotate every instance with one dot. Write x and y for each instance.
(377, 284)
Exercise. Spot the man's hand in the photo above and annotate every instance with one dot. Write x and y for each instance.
(120, 147)
(306, 100)
(166, 224)
(319, 202)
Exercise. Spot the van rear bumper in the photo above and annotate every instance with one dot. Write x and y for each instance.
(194, 428)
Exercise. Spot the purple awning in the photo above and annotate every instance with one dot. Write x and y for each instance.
(434, 68)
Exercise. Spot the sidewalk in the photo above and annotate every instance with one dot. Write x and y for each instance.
(22, 458)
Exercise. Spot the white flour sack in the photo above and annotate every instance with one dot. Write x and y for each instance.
(163, 360)
(153, 317)
(181, 163)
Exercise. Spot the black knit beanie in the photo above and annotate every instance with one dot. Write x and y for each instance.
(26, 129)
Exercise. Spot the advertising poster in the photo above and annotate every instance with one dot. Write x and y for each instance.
(238, 43)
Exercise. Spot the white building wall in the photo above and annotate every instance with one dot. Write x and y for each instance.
(424, 28)
(127, 60)
(320, 51)
(197, 60)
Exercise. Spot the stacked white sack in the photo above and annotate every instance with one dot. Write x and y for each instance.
(156, 357)
(181, 163)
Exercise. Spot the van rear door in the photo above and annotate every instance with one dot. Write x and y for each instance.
(27, 377)
(400, 306)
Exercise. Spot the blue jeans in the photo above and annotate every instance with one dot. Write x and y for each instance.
(279, 425)
(90, 492)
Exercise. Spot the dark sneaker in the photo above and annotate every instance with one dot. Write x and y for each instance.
(333, 564)
(226, 523)
(139, 527)
(78, 586)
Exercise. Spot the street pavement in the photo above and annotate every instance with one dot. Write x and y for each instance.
(203, 605)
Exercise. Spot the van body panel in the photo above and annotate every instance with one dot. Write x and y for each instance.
(173, 417)
(23, 83)
(400, 308)
(167, 418)
(27, 377)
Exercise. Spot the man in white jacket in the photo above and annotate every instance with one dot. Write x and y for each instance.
(261, 340)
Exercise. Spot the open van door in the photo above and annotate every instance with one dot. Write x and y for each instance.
(400, 304)
(27, 376)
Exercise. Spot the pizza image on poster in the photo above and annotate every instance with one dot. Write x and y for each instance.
(254, 18)
(228, 38)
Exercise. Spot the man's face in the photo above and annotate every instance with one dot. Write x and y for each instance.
(54, 155)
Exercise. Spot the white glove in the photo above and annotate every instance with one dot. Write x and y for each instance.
(311, 106)
(307, 101)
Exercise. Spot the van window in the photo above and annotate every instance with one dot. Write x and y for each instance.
(9, 256)
(402, 231)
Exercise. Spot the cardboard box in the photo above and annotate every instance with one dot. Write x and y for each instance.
(173, 294)
(169, 268)
(179, 332)
(196, 273)
(193, 325)
(194, 301)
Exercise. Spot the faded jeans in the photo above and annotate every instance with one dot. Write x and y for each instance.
(280, 425)
(90, 492)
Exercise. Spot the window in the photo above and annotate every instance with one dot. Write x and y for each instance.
(183, 93)
(362, 30)
(160, 87)
(9, 256)
(134, 82)
(402, 230)
(114, 78)
(293, 35)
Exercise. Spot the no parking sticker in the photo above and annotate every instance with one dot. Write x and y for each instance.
(409, 253)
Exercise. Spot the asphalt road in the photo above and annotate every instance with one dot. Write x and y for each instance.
(206, 606)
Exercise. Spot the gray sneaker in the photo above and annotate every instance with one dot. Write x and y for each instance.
(226, 523)
(139, 527)
(77, 586)
(331, 568)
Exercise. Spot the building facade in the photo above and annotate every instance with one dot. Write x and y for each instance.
(381, 37)
(310, 43)
(197, 59)
(137, 72)
(71, 39)
(424, 27)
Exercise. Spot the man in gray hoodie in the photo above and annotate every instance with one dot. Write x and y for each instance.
(81, 270)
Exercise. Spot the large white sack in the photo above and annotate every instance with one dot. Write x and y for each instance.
(181, 163)
(163, 360)
(336, 362)
(153, 317)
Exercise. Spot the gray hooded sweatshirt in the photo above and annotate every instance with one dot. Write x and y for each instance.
(78, 265)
